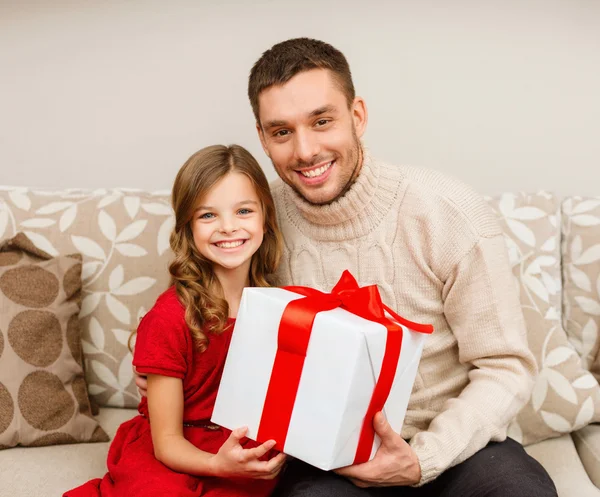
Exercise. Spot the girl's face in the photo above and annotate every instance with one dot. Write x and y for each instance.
(228, 223)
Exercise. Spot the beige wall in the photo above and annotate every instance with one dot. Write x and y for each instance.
(502, 94)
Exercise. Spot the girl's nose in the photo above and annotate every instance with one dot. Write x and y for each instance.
(228, 226)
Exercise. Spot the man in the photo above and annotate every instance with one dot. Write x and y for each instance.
(438, 256)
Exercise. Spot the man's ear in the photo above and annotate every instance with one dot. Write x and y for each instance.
(261, 137)
(360, 116)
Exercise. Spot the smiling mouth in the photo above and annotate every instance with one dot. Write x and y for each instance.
(230, 244)
(316, 172)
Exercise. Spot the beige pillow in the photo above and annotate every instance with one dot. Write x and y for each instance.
(565, 396)
(123, 236)
(43, 394)
(581, 276)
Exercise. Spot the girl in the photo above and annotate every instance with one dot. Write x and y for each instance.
(225, 238)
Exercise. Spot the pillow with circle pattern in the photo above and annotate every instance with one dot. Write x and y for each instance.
(43, 394)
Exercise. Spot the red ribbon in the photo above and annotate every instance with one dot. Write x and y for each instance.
(294, 335)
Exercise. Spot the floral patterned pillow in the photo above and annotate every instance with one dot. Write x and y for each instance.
(581, 276)
(123, 236)
(565, 396)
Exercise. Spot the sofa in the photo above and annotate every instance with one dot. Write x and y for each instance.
(122, 236)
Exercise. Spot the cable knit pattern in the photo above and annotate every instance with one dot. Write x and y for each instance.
(437, 253)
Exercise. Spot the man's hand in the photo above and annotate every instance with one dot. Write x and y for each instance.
(141, 383)
(394, 464)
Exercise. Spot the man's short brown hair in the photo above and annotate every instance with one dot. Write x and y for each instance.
(284, 60)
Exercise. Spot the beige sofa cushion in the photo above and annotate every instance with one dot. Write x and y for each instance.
(581, 275)
(559, 458)
(565, 396)
(43, 395)
(587, 441)
(50, 471)
(124, 238)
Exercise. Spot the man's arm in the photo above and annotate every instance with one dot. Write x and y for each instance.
(484, 313)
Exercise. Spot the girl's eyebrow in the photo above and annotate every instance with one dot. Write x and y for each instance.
(210, 208)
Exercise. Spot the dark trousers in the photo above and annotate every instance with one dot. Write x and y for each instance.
(498, 470)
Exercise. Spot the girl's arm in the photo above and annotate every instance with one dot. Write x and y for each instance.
(165, 405)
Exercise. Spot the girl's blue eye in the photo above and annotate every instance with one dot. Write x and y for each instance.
(244, 211)
(206, 215)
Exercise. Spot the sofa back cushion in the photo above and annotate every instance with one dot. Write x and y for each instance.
(565, 396)
(581, 276)
(123, 236)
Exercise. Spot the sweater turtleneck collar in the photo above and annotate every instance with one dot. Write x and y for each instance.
(357, 212)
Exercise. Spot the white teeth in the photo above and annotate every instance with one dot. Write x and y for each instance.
(230, 244)
(316, 172)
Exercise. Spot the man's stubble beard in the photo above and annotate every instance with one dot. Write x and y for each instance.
(356, 155)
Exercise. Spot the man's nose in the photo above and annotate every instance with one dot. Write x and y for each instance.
(306, 147)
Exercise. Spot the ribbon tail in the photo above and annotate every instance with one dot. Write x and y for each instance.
(418, 327)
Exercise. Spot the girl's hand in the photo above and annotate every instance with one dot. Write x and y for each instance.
(233, 460)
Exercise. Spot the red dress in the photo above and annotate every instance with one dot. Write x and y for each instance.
(164, 346)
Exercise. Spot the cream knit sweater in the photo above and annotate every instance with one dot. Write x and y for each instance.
(436, 252)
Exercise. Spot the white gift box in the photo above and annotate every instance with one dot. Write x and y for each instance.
(342, 365)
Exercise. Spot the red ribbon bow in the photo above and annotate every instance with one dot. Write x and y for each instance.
(294, 335)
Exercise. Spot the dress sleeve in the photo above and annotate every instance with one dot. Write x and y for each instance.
(162, 344)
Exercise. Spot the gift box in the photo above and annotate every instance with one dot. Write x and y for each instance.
(310, 370)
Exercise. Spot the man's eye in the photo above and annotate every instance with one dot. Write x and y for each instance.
(206, 215)
(322, 122)
(282, 132)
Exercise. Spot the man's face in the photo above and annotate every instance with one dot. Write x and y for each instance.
(311, 136)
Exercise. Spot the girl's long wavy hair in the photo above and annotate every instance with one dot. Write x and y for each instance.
(192, 274)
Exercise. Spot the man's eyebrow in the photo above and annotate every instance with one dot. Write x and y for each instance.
(322, 110)
(274, 124)
(317, 112)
